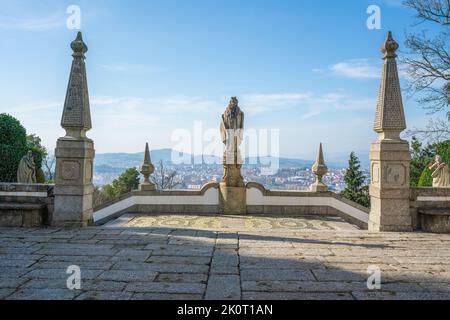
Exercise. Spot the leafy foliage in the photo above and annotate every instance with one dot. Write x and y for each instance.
(357, 190)
(126, 182)
(13, 146)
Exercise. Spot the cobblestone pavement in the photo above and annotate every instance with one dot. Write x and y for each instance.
(162, 257)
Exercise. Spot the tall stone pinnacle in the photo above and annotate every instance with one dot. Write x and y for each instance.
(147, 159)
(76, 117)
(146, 170)
(390, 115)
(319, 169)
(319, 158)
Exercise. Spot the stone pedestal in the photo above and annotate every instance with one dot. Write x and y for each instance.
(147, 187)
(73, 186)
(233, 200)
(389, 189)
(318, 187)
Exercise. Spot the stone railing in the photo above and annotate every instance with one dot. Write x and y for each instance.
(263, 201)
(205, 200)
(26, 205)
(259, 201)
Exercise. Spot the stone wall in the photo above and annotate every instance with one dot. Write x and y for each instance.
(25, 205)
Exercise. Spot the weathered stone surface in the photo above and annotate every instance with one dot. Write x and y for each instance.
(166, 287)
(167, 296)
(223, 287)
(295, 296)
(182, 277)
(307, 264)
(128, 275)
(105, 295)
(275, 274)
(44, 294)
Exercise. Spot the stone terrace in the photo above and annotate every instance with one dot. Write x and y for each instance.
(211, 257)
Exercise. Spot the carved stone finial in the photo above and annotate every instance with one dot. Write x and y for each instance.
(390, 47)
(76, 117)
(390, 116)
(319, 169)
(146, 170)
(78, 46)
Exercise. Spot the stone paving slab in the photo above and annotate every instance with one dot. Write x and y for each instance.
(163, 257)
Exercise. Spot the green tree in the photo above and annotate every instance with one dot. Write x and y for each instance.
(126, 182)
(13, 146)
(356, 190)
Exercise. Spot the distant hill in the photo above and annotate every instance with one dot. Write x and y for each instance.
(127, 160)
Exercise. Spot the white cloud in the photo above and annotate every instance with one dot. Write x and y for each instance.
(356, 69)
(312, 104)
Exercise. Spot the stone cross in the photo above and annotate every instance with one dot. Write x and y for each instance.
(319, 169)
(389, 154)
(146, 169)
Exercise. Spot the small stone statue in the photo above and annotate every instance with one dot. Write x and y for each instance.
(26, 173)
(440, 174)
(231, 129)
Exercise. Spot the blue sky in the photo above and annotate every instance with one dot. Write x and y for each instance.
(309, 68)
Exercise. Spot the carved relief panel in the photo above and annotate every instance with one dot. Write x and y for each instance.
(70, 170)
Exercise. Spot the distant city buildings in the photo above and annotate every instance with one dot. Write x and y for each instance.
(195, 176)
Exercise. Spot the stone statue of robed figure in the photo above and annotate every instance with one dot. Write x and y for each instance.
(440, 174)
(26, 173)
(231, 129)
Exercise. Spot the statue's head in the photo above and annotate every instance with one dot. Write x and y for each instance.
(233, 103)
(438, 159)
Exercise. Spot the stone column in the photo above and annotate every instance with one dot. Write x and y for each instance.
(389, 154)
(233, 194)
(75, 152)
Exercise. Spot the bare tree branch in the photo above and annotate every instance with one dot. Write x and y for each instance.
(427, 63)
(165, 179)
(435, 131)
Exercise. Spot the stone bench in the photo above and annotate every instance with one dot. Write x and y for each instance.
(435, 220)
(26, 215)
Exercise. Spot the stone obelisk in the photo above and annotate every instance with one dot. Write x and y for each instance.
(75, 152)
(389, 154)
(232, 186)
